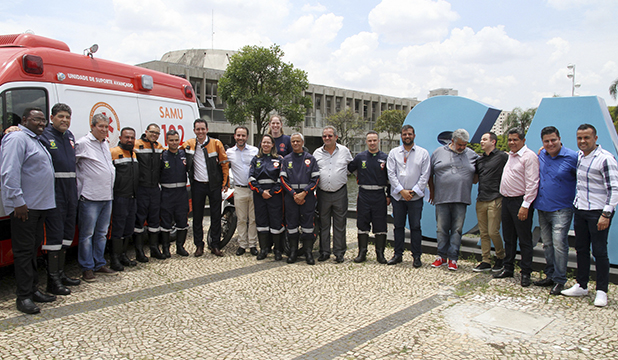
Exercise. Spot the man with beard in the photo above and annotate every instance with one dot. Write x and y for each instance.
(409, 168)
(452, 170)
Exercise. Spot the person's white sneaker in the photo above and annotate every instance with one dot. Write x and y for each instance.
(601, 299)
(575, 290)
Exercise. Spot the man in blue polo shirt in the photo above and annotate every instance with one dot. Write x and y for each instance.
(554, 202)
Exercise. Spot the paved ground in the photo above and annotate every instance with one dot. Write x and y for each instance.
(239, 308)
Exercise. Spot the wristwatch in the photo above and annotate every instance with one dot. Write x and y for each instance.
(606, 214)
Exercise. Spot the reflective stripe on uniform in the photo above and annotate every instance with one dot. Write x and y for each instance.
(174, 185)
(64, 175)
(371, 187)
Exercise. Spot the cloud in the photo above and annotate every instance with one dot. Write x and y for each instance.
(561, 48)
(491, 45)
(319, 8)
(412, 21)
(570, 4)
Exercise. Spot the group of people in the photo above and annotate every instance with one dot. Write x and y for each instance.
(139, 187)
(561, 184)
(50, 182)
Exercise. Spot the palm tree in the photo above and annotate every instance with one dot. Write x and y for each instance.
(520, 118)
(613, 92)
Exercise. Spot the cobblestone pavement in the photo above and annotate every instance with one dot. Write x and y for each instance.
(235, 307)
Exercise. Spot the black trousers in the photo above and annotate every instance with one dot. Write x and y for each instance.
(587, 234)
(199, 192)
(123, 217)
(513, 229)
(26, 237)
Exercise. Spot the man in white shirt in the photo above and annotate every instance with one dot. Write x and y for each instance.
(333, 160)
(240, 157)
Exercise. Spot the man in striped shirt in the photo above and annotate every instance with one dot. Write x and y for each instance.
(596, 199)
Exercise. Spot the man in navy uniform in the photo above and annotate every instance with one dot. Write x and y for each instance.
(300, 175)
(60, 222)
(372, 179)
(174, 196)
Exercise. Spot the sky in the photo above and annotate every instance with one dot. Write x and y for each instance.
(503, 53)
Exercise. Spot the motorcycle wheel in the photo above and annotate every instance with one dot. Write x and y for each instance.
(229, 221)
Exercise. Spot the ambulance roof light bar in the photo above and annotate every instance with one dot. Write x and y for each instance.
(91, 50)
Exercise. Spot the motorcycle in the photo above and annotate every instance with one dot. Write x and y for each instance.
(229, 219)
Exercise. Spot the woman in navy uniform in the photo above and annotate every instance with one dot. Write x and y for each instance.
(268, 198)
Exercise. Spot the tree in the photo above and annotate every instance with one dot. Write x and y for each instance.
(257, 82)
(520, 118)
(390, 122)
(613, 91)
(348, 124)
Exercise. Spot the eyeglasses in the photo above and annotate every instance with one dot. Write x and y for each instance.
(327, 136)
(154, 132)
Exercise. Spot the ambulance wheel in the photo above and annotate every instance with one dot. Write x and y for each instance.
(228, 227)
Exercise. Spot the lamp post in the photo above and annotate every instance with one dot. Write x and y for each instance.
(572, 77)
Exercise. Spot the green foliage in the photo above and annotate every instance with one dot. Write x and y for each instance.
(476, 147)
(502, 143)
(258, 82)
(348, 124)
(613, 112)
(520, 118)
(390, 122)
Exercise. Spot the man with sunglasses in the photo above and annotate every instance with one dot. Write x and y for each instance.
(333, 160)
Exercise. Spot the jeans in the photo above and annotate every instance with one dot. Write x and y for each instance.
(586, 234)
(555, 236)
(93, 223)
(413, 210)
(449, 220)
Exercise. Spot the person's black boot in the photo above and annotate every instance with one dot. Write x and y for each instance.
(380, 245)
(66, 281)
(115, 255)
(138, 242)
(54, 284)
(276, 238)
(293, 240)
(153, 240)
(165, 244)
(181, 237)
(308, 245)
(363, 241)
(264, 245)
(124, 259)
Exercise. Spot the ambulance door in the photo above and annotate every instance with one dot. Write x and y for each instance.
(120, 107)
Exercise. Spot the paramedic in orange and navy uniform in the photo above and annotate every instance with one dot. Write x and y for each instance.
(124, 205)
(60, 222)
(148, 152)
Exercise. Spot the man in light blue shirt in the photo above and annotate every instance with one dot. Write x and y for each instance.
(27, 194)
(554, 203)
(95, 187)
(240, 157)
(408, 169)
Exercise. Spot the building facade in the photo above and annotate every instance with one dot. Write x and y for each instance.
(203, 68)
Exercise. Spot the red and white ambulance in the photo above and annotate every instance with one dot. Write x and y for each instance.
(38, 71)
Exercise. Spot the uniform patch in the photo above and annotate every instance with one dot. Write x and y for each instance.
(289, 165)
(72, 144)
(258, 164)
(363, 164)
(167, 164)
(307, 162)
(276, 164)
(382, 166)
(52, 144)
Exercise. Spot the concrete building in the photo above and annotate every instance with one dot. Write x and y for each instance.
(498, 127)
(204, 67)
(442, 91)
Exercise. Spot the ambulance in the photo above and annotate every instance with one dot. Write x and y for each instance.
(36, 71)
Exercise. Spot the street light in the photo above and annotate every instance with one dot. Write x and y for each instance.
(572, 77)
